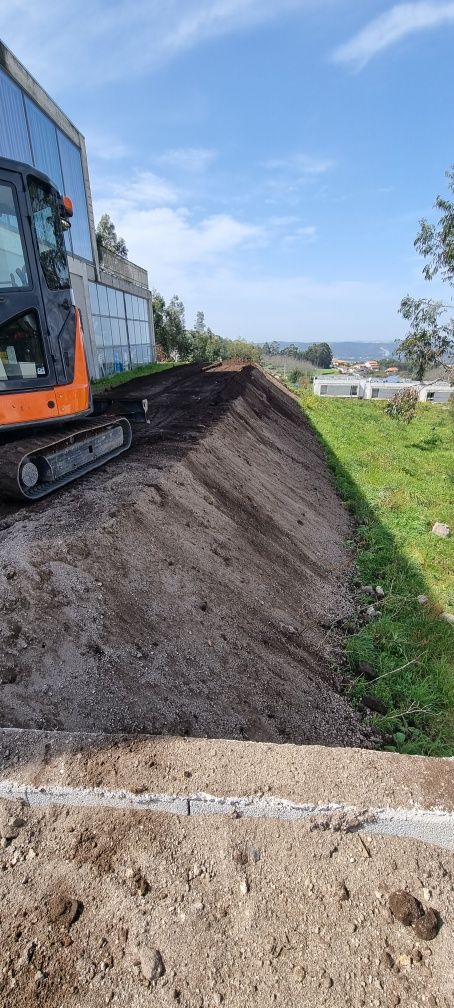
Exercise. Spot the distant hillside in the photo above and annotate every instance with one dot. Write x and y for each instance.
(353, 350)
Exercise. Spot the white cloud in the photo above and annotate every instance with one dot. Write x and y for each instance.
(105, 146)
(156, 232)
(390, 27)
(122, 39)
(187, 159)
(171, 238)
(216, 17)
(268, 306)
(157, 229)
(212, 263)
(305, 233)
(299, 164)
(143, 190)
(285, 176)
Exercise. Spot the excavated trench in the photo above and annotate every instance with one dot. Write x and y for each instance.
(197, 586)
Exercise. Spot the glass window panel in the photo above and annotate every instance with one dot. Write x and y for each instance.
(93, 298)
(13, 269)
(134, 360)
(97, 330)
(112, 299)
(118, 358)
(14, 141)
(68, 242)
(73, 184)
(102, 362)
(145, 332)
(136, 308)
(115, 324)
(49, 235)
(142, 309)
(102, 298)
(106, 331)
(21, 349)
(44, 143)
(120, 304)
(128, 302)
(109, 360)
(123, 333)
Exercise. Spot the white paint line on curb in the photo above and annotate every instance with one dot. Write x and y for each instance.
(435, 826)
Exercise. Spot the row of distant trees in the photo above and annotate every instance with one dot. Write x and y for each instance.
(199, 343)
(318, 354)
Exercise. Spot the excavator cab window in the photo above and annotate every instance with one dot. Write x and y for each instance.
(21, 349)
(13, 266)
(48, 228)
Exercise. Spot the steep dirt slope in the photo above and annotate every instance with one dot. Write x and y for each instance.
(196, 586)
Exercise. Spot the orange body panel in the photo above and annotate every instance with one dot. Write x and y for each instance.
(61, 401)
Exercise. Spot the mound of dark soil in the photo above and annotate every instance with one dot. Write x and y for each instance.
(195, 586)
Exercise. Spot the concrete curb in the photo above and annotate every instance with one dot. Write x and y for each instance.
(435, 826)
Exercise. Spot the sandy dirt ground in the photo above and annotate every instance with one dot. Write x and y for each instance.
(198, 586)
(135, 909)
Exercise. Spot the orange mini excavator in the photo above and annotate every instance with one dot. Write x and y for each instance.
(44, 379)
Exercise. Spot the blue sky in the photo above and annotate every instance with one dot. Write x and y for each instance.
(267, 160)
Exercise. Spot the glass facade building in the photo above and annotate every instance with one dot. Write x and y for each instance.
(112, 294)
(122, 334)
(27, 134)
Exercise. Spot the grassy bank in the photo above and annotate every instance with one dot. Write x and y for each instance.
(397, 482)
(124, 376)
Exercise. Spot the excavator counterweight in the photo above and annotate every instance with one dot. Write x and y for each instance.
(44, 378)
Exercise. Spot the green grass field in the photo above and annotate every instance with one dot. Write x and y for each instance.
(397, 481)
(124, 376)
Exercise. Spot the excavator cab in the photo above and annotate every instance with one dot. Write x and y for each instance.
(43, 369)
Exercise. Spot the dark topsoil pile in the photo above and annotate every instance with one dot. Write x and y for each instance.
(196, 586)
